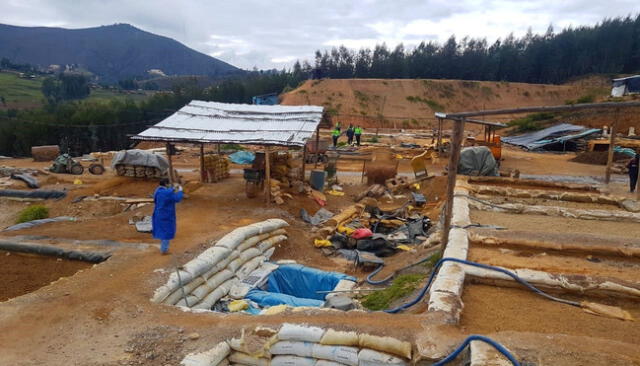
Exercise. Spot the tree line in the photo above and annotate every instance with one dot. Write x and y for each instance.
(610, 47)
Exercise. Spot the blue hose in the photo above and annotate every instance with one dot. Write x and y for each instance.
(480, 265)
(475, 337)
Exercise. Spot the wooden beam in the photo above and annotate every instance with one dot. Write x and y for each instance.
(304, 162)
(202, 172)
(454, 159)
(439, 138)
(559, 108)
(317, 145)
(612, 145)
(168, 150)
(267, 174)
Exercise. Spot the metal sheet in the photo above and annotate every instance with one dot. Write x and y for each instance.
(237, 123)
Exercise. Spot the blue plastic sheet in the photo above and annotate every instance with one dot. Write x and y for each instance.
(242, 157)
(264, 299)
(303, 282)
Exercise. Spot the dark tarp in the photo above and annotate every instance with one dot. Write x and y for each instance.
(528, 140)
(477, 161)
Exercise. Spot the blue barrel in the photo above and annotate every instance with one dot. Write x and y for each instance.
(317, 179)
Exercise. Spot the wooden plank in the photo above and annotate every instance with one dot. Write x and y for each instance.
(168, 148)
(304, 162)
(454, 159)
(202, 172)
(267, 175)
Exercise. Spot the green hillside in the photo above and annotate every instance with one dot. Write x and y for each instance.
(20, 93)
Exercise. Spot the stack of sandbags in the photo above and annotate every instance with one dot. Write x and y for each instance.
(346, 215)
(216, 168)
(209, 277)
(277, 195)
(300, 345)
(45, 153)
(375, 191)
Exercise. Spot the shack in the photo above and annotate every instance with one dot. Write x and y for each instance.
(624, 86)
(201, 122)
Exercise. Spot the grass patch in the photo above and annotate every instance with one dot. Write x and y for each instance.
(437, 107)
(402, 286)
(531, 122)
(35, 212)
(583, 99)
(231, 147)
(374, 139)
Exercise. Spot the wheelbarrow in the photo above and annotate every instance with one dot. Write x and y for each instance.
(254, 181)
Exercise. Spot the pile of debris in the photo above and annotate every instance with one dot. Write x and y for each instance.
(28, 176)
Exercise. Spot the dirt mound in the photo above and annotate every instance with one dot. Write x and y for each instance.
(597, 157)
(408, 103)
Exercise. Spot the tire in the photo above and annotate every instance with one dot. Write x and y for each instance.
(96, 169)
(77, 169)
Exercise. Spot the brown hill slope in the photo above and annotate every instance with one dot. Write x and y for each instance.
(409, 103)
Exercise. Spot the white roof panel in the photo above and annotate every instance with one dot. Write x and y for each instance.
(237, 123)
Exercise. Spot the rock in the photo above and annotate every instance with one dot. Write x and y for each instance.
(631, 205)
(193, 336)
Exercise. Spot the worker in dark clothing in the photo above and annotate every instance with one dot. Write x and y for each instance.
(633, 165)
(335, 135)
(358, 133)
(350, 133)
(164, 213)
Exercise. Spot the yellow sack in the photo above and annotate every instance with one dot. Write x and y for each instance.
(345, 230)
(322, 243)
(335, 193)
(404, 247)
(238, 305)
(77, 181)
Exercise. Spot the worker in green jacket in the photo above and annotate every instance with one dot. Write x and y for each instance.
(335, 134)
(358, 133)
(338, 126)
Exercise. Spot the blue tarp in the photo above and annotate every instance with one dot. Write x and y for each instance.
(242, 157)
(527, 139)
(303, 282)
(265, 298)
(625, 150)
(562, 139)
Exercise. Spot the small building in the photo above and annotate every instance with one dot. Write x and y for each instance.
(625, 86)
(266, 99)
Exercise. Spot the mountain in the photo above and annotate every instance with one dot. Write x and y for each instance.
(112, 52)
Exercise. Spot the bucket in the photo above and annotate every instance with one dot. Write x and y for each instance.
(317, 179)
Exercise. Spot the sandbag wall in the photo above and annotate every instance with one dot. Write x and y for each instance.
(216, 168)
(213, 274)
(301, 345)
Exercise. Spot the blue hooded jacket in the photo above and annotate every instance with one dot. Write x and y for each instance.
(164, 213)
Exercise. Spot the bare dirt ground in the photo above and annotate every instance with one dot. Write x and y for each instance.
(103, 316)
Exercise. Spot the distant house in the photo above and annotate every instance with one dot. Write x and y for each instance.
(624, 86)
(266, 99)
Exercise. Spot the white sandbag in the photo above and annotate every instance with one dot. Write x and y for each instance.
(368, 357)
(224, 362)
(205, 261)
(239, 291)
(188, 288)
(342, 354)
(215, 295)
(246, 269)
(212, 357)
(300, 349)
(270, 242)
(386, 344)
(188, 301)
(268, 253)
(237, 236)
(211, 284)
(252, 241)
(341, 289)
(303, 333)
(245, 359)
(292, 361)
(172, 284)
(340, 338)
(243, 258)
(328, 363)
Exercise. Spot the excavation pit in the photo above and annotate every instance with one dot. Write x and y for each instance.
(24, 273)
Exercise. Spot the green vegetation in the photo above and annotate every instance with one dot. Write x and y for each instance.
(231, 147)
(532, 122)
(435, 106)
(401, 287)
(18, 92)
(581, 100)
(373, 139)
(35, 212)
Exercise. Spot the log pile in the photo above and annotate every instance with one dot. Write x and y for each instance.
(216, 168)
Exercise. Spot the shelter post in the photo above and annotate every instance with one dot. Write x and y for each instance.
(267, 173)
(202, 172)
(317, 145)
(454, 159)
(304, 162)
(168, 149)
(612, 144)
(439, 137)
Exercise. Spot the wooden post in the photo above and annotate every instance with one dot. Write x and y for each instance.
(317, 145)
(219, 149)
(638, 180)
(202, 172)
(612, 144)
(267, 174)
(439, 138)
(304, 161)
(168, 149)
(454, 159)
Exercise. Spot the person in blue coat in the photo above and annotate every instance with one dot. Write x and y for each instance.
(164, 213)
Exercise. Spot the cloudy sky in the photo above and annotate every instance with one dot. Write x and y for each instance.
(267, 34)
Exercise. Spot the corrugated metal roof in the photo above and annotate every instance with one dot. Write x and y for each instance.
(215, 122)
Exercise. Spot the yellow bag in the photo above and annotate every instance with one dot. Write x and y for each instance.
(322, 243)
